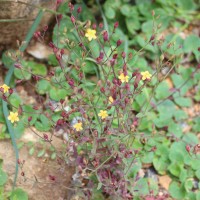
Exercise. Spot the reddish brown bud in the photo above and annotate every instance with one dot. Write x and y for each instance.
(71, 6)
(79, 9)
(101, 25)
(152, 38)
(116, 25)
(105, 36)
(45, 136)
(123, 54)
(187, 147)
(94, 26)
(45, 28)
(71, 82)
(101, 55)
(126, 100)
(51, 44)
(119, 42)
(115, 56)
(51, 73)
(115, 81)
(17, 65)
(22, 174)
(102, 90)
(62, 51)
(81, 75)
(73, 19)
(52, 178)
(10, 91)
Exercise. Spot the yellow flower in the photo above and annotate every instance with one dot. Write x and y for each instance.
(110, 99)
(13, 117)
(5, 88)
(123, 78)
(103, 114)
(146, 75)
(90, 34)
(78, 126)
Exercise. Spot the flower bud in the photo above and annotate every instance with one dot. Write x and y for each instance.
(115, 56)
(10, 91)
(101, 25)
(17, 65)
(105, 36)
(187, 148)
(73, 20)
(123, 54)
(102, 90)
(45, 28)
(94, 26)
(45, 136)
(79, 9)
(29, 119)
(119, 42)
(116, 25)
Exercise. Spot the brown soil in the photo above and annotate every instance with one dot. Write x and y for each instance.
(36, 168)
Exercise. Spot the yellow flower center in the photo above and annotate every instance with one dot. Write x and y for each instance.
(146, 75)
(78, 126)
(123, 78)
(5, 88)
(90, 34)
(13, 117)
(103, 114)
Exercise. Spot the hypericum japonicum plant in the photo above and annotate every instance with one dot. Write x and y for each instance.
(100, 120)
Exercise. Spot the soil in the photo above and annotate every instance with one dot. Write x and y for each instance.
(36, 168)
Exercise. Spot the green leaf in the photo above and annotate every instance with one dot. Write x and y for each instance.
(41, 153)
(125, 10)
(37, 69)
(43, 86)
(175, 168)
(188, 185)
(53, 156)
(23, 73)
(3, 175)
(162, 90)
(183, 101)
(191, 43)
(6, 59)
(180, 114)
(142, 186)
(160, 164)
(64, 31)
(133, 24)
(177, 191)
(15, 99)
(52, 60)
(110, 13)
(196, 126)
(99, 186)
(19, 129)
(197, 174)
(190, 138)
(58, 94)
(183, 175)
(148, 157)
(31, 151)
(18, 194)
(43, 123)
(90, 67)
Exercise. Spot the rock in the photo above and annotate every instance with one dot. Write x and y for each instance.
(151, 173)
(25, 11)
(39, 51)
(165, 181)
